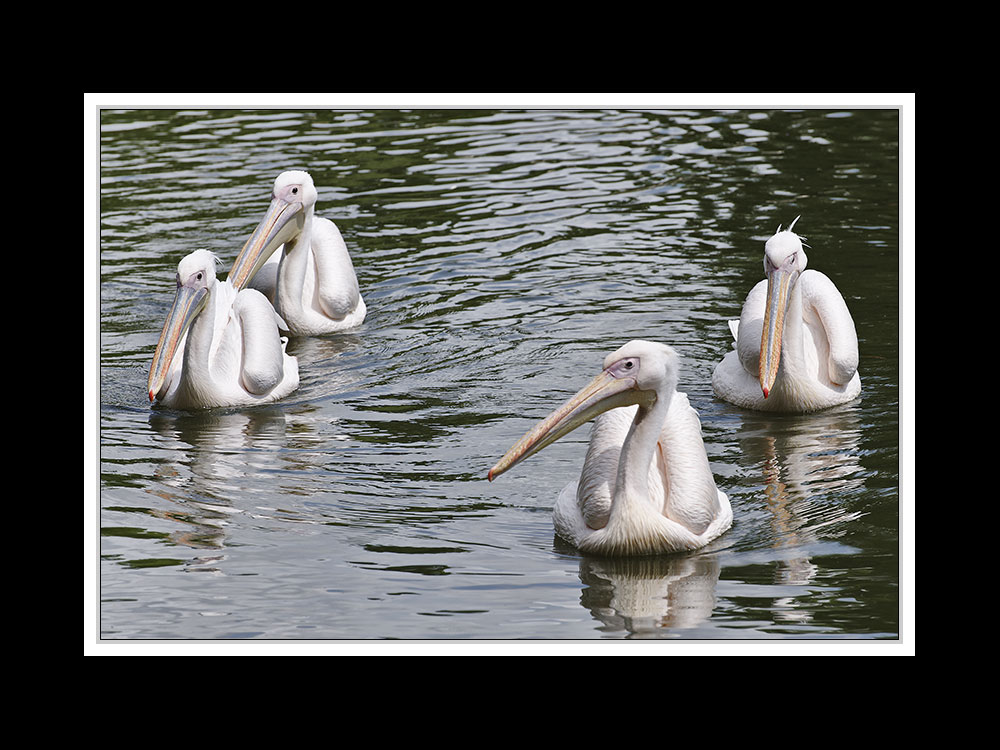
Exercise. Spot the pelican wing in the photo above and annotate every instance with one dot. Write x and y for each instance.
(264, 360)
(831, 326)
(690, 497)
(337, 284)
(600, 466)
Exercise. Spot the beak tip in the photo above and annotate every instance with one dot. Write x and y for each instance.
(489, 475)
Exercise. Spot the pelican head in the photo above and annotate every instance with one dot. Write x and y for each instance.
(293, 196)
(638, 373)
(784, 260)
(195, 280)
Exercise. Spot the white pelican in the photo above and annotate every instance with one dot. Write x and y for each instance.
(646, 487)
(313, 287)
(219, 347)
(796, 349)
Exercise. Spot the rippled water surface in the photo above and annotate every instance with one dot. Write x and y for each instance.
(501, 254)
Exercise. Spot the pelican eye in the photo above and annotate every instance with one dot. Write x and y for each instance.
(623, 367)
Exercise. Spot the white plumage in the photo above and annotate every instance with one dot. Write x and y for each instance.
(646, 486)
(219, 347)
(301, 263)
(796, 348)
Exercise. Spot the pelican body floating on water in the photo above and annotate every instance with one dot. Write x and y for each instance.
(796, 349)
(646, 487)
(219, 347)
(311, 282)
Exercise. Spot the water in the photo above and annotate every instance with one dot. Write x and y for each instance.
(501, 254)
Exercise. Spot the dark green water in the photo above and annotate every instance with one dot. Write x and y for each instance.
(501, 254)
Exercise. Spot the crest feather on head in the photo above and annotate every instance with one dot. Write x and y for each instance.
(790, 226)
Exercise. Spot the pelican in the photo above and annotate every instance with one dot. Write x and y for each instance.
(646, 487)
(219, 347)
(313, 285)
(795, 347)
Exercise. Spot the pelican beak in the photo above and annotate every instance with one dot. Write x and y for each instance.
(282, 222)
(603, 393)
(188, 302)
(779, 286)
